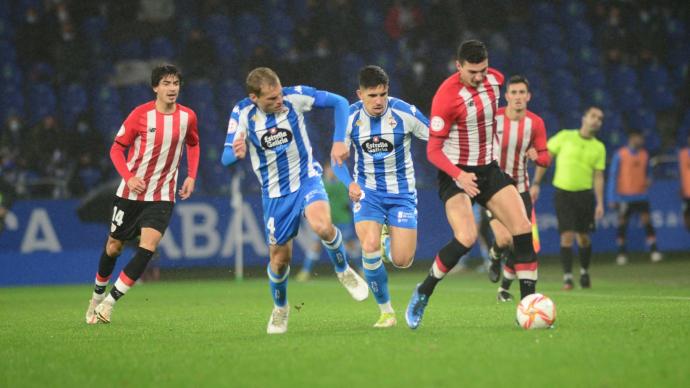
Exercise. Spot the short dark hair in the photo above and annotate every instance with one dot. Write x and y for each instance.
(372, 76)
(163, 70)
(261, 76)
(472, 51)
(518, 79)
(592, 107)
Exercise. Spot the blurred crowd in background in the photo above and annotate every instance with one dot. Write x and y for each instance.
(71, 70)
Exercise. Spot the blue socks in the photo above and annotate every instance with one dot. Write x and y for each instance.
(278, 285)
(376, 276)
(336, 251)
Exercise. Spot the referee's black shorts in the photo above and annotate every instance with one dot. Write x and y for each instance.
(129, 217)
(490, 180)
(575, 210)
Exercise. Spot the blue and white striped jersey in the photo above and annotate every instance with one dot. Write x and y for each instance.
(383, 161)
(279, 146)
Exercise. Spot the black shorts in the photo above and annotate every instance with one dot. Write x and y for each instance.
(626, 209)
(526, 200)
(490, 179)
(130, 216)
(575, 210)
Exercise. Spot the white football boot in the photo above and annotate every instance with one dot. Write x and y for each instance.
(103, 312)
(278, 323)
(91, 311)
(354, 284)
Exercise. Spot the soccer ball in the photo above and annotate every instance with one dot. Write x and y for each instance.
(536, 311)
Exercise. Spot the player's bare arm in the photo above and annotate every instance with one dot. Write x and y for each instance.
(339, 152)
(239, 146)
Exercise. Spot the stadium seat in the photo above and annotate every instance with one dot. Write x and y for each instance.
(653, 75)
(279, 23)
(572, 10)
(12, 100)
(525, 60)
(652, 141)
(622, 76)
(42, 100)
(73, 102)
(660, 98)
(551, 122)
(108, 121)
(543, 11)
(579, 35)
(135, 95)
(93, 27)
(12, 74)
(547, 36)
(641, 119)
(628, 98)
(131, 49)
(198, 92)
(228, 93)
(565, 100)
(599, 97)
(8, 53)
(161, 47)
(248, 23)
(592, 77)
(217, 26)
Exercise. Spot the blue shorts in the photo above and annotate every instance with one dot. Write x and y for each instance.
(282, 215)
(398, 210)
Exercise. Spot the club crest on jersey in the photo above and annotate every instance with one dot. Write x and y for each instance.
(377, 147)
(391, 122)
(276, 139)
(152, 129)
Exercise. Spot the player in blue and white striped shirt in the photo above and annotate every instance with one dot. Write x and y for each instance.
(380, 128)
(271, 121)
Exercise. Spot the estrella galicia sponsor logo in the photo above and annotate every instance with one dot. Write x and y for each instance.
(377, 147)
(276, 139)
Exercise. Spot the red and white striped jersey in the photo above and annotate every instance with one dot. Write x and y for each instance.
(514, 138)
(155, 143)
(464, 117)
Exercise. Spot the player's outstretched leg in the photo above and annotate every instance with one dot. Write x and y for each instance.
(526, 265)
(377, 278)
(125, 281)
(278, 322)
(352, 282)
(106, 265)
(446, 259)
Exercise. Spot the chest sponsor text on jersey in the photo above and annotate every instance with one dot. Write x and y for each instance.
(276, 139)
(377, 147)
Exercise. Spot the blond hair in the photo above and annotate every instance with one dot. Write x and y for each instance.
(261, 76)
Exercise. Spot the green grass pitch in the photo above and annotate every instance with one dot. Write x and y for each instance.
(631, 329)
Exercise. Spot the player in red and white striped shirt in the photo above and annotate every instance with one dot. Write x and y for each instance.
(155, 134)
(520, 136)
(461, 137)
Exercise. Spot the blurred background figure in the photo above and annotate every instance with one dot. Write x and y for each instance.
(626, 192)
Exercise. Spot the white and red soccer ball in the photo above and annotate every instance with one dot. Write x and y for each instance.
(536, 311)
